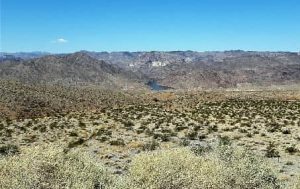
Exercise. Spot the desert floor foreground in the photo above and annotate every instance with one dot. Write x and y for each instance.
(116, 126)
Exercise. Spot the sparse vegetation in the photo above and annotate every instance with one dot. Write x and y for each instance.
(115, 127)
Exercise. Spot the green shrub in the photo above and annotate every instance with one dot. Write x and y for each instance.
(50, 167)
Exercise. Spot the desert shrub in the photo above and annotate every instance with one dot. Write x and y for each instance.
(177, 168)
(273, 127)
(180, 168)
(271, 151)
(50, 167)
(81, 124)
(224, 140)
(201, 136)
(184, 142)
(199, 150)
(291, 149)
(150, 145)
(128, 123)
(191, 134)
(75, 143)
(245, 170)
(212, 128)
(8, 149)
(297, 183)
(117, 142)
(286, 130)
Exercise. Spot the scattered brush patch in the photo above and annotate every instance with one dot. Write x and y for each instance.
(223, 166)
(51, 167)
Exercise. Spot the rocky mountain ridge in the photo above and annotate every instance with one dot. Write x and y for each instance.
(174, 69)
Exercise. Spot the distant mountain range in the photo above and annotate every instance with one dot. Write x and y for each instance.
(175, 69)
(22, 55)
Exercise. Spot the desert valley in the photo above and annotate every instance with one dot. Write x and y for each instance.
(140, 114)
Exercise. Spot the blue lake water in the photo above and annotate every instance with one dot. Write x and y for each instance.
(157, 87)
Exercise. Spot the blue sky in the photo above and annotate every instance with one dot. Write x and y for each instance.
(136, 25)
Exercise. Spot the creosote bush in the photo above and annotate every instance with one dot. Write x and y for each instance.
(180, 168)
(50, 167)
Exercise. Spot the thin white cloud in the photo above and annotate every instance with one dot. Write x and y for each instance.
(60, 40)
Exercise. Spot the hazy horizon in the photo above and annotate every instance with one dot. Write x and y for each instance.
(206, 51)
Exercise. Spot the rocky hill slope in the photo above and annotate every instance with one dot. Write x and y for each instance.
(73, 69)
